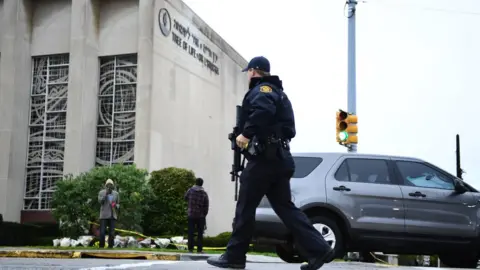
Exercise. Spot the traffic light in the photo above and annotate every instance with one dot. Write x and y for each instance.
(346, 128)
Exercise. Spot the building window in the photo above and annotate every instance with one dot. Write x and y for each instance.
(48, 119)
(116, 110)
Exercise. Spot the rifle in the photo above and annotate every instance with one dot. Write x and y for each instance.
(237, 165)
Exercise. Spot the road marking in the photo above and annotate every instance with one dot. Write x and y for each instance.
(130, 265)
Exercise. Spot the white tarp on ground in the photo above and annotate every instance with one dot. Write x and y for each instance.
(124, 242)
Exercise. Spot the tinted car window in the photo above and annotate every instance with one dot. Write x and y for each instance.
(305, 165)
(420, 175)
(363, 170)
(342, 172)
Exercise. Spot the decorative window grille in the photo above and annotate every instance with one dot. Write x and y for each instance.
(116, 110)
(48, 119)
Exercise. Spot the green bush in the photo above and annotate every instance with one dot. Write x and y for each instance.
(16, 234)
(167, 208)
(28, 234)
(45, 234)
(220, 240)
(75, 200)
(47, 229)
(44, 241)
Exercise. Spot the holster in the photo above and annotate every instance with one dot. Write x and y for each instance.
(254, 149)
(279, 148)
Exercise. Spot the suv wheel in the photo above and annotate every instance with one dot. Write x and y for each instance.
(331, 233)
(329, 229)
(462, 260)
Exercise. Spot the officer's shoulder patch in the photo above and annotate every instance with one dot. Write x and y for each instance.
(265, 89)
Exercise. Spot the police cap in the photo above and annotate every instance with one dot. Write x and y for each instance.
(259, 63)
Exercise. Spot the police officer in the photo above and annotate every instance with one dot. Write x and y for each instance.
(267, 127)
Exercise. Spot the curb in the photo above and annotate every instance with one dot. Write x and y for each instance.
(130, 256)
(48, 254)
(51, 254)
(120, 254)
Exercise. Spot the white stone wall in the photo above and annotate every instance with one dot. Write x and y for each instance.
(118, 27)
(184, 109)
(1, 24)
(193, 108)
(15, 74)
(51, 27)
(3, 130)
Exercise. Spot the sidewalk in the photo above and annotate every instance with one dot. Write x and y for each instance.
(23, 252)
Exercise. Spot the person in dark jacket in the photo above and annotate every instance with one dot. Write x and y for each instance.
(267, 126)
(198, 204)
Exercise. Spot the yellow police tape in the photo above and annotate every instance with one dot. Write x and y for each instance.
(144, 236)
(124, 231)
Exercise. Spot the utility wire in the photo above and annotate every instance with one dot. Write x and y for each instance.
(423, 8)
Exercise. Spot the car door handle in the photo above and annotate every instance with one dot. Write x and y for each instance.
(417, 194)
(341, 188)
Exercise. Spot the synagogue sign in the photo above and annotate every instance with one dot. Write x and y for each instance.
(187, 41)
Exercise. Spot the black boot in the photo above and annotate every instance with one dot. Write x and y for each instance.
(224, 262)
(316, 263)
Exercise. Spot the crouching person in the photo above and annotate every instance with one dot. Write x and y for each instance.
(109, 204)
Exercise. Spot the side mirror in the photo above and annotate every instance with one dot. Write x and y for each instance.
(459, 186)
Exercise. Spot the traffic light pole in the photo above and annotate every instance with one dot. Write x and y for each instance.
(352, 87)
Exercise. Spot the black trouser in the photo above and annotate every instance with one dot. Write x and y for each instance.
(111, 232)
(261, 178)
(195, 225)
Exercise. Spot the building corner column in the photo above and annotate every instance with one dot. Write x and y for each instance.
(80, 141)
(15, 79)
(146, 22)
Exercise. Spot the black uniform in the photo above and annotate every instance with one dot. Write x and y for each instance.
(268, 118)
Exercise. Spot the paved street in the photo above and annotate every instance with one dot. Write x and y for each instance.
(100, 264)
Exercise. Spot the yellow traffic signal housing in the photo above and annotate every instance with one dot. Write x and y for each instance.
(340, 125)
(346, 128)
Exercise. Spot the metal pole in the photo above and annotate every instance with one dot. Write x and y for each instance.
(458, 165)
(352, 87)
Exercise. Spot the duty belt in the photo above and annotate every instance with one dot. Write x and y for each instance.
(285, 143)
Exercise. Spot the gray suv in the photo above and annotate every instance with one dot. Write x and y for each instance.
(374, 203)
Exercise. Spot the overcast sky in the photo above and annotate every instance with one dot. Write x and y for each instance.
(417, 70)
